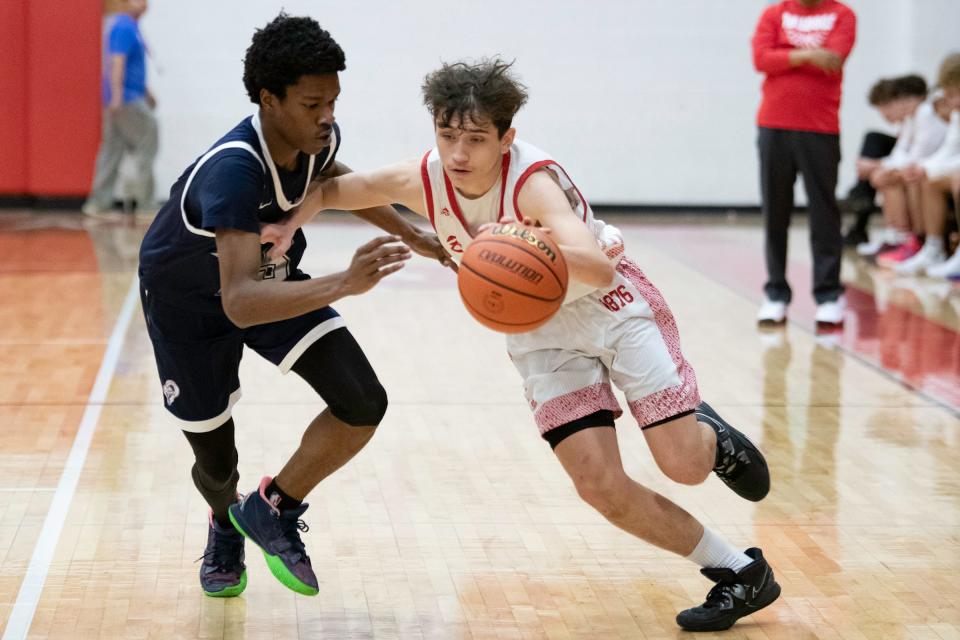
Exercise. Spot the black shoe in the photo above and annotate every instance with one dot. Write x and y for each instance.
(739, 463)
(855, 235)
(223, 573)
(856, 204)
(736, 594)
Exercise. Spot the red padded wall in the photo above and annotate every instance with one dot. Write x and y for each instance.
(63, 94)
(13, 105)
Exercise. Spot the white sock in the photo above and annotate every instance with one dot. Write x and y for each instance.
(935, 243)
(713, 551)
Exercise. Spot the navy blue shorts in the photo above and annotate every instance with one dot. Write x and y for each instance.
(198, 355)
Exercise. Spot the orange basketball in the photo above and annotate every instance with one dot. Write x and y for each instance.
(512, 278)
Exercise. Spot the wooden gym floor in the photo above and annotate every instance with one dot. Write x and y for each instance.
(456, 521)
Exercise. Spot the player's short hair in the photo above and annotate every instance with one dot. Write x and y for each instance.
(482, 92)
(881, 92)
(949, 76)
(286, 49)
(889, 89)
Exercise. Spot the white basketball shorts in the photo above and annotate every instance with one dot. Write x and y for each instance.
(626, 335)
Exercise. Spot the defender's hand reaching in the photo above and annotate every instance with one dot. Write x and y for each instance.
(373, 262)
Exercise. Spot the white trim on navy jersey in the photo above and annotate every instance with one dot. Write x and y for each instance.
(234, 144)
(282, 201)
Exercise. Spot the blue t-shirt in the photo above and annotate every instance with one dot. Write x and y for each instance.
(228, 187)
(121, 36)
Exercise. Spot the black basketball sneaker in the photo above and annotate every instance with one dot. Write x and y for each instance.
(736, 594)
(739, 463)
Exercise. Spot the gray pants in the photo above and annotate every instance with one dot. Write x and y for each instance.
(132, 129)
(816, 156)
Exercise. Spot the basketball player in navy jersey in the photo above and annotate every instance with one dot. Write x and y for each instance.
(614, 327)
(208, 289)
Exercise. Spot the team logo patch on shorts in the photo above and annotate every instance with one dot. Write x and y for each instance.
(170, 391)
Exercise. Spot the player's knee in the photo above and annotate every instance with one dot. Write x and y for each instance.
(606, 491)
(365, 407)
(216, 477)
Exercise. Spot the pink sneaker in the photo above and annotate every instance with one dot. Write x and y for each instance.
(897, 255)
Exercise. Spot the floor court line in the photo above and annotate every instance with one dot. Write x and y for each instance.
(30, 489)
(28, 597)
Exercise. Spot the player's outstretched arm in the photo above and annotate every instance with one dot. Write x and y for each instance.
(542, 200)
(357, 191)
(249, 300)
(367, 195)
(379, 189)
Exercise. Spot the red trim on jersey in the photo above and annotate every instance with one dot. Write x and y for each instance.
(536, 166)
(452, 196)
(427, 190)
(503, 182)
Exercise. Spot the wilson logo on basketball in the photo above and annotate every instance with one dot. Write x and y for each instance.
(455, 245)
(513, 266)
(521, 233)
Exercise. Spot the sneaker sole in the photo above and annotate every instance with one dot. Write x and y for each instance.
(230, 592)
(276, 566)
(763, 604)
(771, 323)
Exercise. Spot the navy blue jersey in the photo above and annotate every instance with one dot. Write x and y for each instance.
(234, 185)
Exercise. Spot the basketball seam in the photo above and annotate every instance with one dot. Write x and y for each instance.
(501, 322)
(510, 289)
(531, 253)
(464, 265)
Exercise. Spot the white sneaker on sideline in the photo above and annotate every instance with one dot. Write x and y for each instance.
(772, 312)
(95, 211)
(872, 248)
(946, 269)
(882, 240)
(831, 312)
(918, 264)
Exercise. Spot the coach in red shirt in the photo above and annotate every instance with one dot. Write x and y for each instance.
(801, 45)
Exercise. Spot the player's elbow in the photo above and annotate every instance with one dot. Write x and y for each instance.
(237, 309)
(600, 274)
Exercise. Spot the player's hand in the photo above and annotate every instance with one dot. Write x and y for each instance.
(280, 235)
(428, 245)
(373, 262)
(825, 59)
(912, 174)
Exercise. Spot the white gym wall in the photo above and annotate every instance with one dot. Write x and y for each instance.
(645, 102)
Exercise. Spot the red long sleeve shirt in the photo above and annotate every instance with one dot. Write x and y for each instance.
(802, 98)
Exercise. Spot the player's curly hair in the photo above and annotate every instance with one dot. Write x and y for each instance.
(949, 76)
(482, 92)
(284, 50)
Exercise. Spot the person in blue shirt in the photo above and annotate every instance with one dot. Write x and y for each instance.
(209, 288)
(129, 125)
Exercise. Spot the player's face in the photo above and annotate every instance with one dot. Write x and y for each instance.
(137, 8)
(896, 110)
(472, 154)
(952, 97)
(305, 116)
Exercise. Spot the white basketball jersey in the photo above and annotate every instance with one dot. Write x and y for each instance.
(446, 214)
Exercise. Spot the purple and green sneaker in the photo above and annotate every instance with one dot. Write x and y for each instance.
(223, 573)
(277, 533)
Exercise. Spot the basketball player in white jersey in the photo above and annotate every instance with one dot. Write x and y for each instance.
(614, 327)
